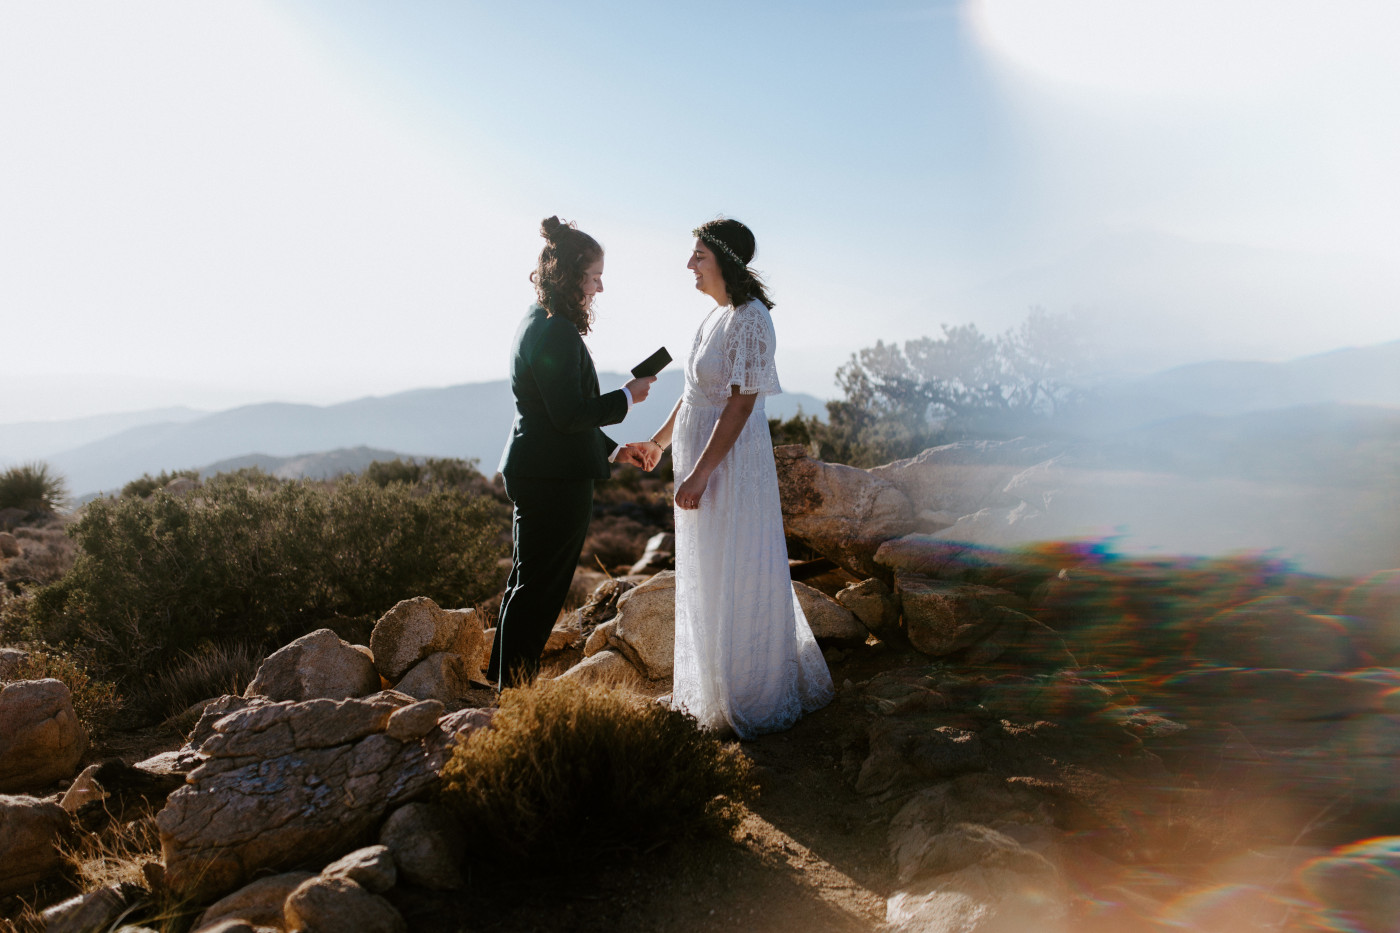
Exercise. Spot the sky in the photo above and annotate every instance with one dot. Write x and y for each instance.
(212, 204)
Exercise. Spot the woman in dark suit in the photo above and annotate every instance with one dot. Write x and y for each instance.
(556, 448)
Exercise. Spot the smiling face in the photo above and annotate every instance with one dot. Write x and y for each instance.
(592, 282)
(708, 278)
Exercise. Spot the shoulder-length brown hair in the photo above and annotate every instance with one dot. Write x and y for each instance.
(558, 278)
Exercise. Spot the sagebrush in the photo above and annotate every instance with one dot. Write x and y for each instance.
(146, 484)
(248, 558)
(449, 472)
(567, 773)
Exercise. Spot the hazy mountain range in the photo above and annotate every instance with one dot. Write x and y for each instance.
(1222, 407)
(1353, 376)
(103, 453)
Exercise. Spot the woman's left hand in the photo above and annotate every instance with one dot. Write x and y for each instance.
(689, 492)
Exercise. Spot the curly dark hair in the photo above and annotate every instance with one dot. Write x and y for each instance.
(742, 282)
(558, 278)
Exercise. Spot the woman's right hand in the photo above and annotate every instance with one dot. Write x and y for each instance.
(639, 388)
(689, 493)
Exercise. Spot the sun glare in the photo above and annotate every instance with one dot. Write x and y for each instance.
(1175, 48)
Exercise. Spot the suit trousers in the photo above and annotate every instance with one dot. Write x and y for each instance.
(548, 525)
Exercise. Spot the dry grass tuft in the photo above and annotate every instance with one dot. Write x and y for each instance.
(212, 671)
(121, 854)
(569, 773)
(23, 917)
(117, 854)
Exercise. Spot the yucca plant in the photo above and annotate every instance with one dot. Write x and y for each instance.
(32, 487)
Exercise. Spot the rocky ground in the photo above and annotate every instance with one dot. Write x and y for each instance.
(1037, 739)
(1054, 820)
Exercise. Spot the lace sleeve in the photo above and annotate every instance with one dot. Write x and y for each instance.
(750, 349)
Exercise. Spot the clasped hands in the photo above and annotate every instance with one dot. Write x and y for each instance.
(644, 455)
(647, 454)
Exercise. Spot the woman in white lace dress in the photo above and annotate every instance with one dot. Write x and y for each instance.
(745, 656)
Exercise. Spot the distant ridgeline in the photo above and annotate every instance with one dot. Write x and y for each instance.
(1322, 420)
(467, 421)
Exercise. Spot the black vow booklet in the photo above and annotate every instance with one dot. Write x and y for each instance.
(652, 364)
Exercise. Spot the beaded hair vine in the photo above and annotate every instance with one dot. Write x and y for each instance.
(718, 244)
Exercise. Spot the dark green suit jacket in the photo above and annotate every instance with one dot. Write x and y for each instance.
(558, 408)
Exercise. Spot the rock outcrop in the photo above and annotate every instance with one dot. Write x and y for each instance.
(259, 904)
(945, 483)
(442, 676)
(319, 665)
(427, 845)
(934, 557)
(286, 784)
(110, 785)
(291, 901)
(982, 900)
(875, 605)
(974, 844)
(416, 628)
(30, 832)
(11, 660)
(643, 632)
(645, 627)
(658, 556)
(941, 618)
(842, 512)
(95, 910)
(323, 903)
(831, 622)
(372, 868)
(606, 665)
(974, 818)
(566, 635)
(41, 740)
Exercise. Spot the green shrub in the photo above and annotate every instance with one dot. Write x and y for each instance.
(95, 701)
(32, 487)
(384, 472)
(567, 773)
(449, 472)
(249, 558)
(16, 625)
(147, 484)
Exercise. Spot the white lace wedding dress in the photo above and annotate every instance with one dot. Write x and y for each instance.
(745, 655)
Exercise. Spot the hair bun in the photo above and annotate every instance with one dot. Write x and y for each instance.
(550, 228)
